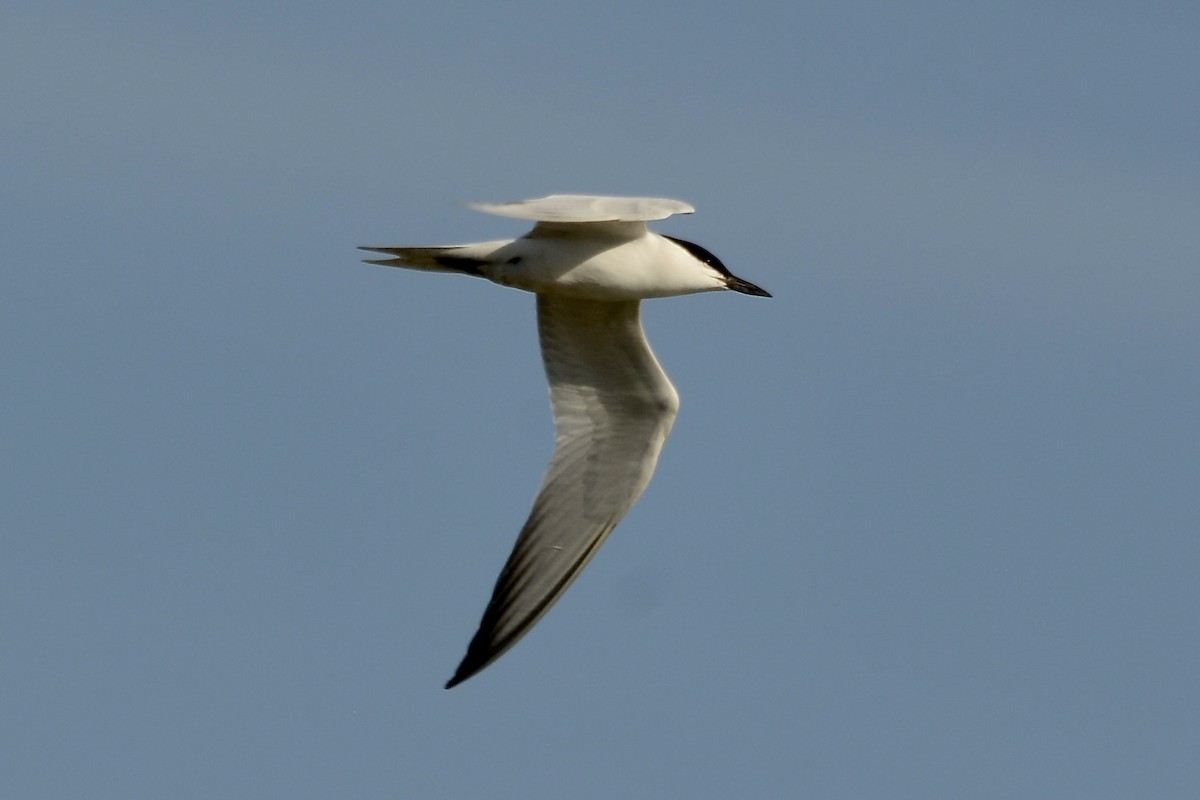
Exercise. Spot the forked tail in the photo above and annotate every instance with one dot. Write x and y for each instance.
(468, 259)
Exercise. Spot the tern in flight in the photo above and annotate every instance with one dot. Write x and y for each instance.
(591, 261)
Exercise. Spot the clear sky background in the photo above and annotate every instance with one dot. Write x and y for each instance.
(927, 526)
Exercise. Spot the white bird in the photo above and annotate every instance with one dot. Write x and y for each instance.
(590, 260)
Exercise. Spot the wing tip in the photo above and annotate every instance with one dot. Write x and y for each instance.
(469, 668)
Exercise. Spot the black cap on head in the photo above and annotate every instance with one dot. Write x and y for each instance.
(732, 281)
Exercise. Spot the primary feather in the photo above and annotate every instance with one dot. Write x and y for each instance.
(613, 408)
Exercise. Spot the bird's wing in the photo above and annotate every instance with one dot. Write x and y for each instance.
(613, 408)
(587, 208)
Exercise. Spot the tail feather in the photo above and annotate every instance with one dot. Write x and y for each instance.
(432, 259)
(469, 259)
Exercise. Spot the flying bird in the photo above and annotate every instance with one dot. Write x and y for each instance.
(590, 260)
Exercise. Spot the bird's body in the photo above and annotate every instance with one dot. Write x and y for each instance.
(590, 260)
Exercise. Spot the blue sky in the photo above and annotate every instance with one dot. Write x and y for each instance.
(926, 525)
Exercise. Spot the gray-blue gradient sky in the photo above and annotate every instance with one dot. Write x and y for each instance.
(927, 526)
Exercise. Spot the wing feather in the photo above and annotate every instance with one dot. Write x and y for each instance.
(613, 409)
(587, 208)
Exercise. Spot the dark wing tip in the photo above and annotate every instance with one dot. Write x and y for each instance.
(477, 658)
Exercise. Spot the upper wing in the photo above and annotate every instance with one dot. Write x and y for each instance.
(587, 208)
(613, 408)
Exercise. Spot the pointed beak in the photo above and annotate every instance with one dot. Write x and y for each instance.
(745, 287)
